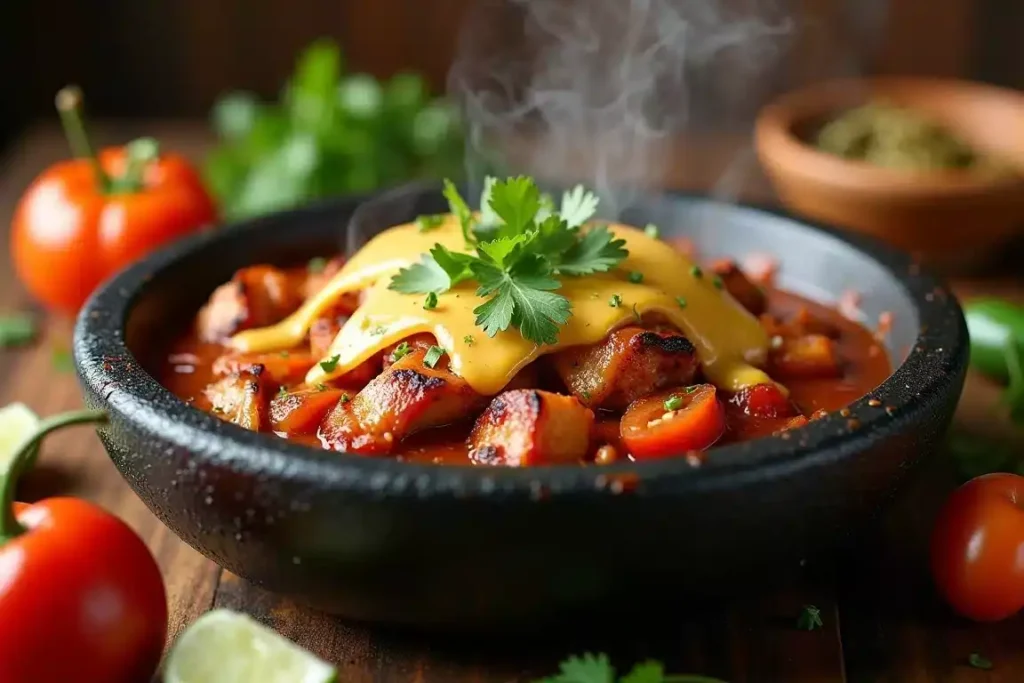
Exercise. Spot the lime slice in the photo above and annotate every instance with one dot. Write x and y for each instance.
(226, 647)
(17, 424)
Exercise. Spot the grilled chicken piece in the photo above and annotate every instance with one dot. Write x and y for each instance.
(405, 398)
(300, 412)
(255, 297)
(632, 362)
(283, 367)
(735, 281)
(531, 427)
(242, 398)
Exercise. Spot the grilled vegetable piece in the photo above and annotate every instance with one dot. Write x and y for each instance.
(256, 296)
(673, 422)
(405, 398)
(285, 367)
(765, 400)
(301, 412)
(531, 427)
(242, 398)
(735, 281)
(632, 362)
(811, 355)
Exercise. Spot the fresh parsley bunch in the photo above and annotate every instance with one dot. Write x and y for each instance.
(520, 248)
(598, 669)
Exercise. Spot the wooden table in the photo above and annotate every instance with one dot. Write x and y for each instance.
(882, 622)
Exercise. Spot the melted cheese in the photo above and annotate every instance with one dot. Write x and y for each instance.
(730, 342)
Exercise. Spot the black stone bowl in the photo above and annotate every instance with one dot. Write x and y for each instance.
(462, 547)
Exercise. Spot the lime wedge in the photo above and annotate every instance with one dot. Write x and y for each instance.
(17, 424)
(226, 647)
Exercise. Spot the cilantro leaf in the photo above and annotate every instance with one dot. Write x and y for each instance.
(553, 238)
(516, 201)
(500, 250)
(434, 354)
(645, 672)
(522, 298)
(454, 263)
(330, 364)
(586, 669)
(16, 330)
(809, 619)
(578, 205)
(461, 210)
(422, 277)
(597, 251)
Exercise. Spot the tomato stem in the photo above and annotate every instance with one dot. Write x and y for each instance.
(69, 106)
(23, 457)
(139, 154)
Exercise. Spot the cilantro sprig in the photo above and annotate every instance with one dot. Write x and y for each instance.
(591, 668)
(520, 248)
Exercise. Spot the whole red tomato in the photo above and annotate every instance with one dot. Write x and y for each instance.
(84, 219)
(977, 550)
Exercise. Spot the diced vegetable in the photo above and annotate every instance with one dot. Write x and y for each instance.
(301, 412)
(649, 431)
(811, 355)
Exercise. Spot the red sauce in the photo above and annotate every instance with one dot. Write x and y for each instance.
(188, 368)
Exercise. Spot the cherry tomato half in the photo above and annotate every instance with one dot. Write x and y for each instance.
(977, 550)
(672, 422)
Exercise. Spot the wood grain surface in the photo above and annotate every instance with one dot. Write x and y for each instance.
(882, 623)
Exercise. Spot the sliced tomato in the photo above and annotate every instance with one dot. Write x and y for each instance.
(764, 400)
(673, 422)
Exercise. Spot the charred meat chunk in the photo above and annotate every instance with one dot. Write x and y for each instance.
(630, 363)
(255, 297)
(531, 427)
(242, 398)
(735, 281)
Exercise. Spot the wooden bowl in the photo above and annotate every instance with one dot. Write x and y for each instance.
(951, 219)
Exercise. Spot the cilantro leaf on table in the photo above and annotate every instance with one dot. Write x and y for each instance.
(591, 668)
(16, 330)
(521, 248)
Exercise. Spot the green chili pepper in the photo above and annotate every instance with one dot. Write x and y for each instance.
(996, 329)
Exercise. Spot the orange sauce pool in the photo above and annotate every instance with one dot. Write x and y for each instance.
(188, 368)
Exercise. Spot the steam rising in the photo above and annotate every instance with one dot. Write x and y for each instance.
(600, 86)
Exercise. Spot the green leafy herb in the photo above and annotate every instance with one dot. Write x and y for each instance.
(61, 360)
(673, 403)
(681, 300)
(433, 355)
(316, 265)
(696, 272)
(427, 223)
(401, 351)
(430, 303)
(809, 619)
(321, 387)
(636, 277)
(717, 282)
(282, 391)
(283, 354)
(651, 230)
(615, 301)
(996, 330)
(590, 668)
(517, 258)
(345, 398)
(468, 340)
(331, 363)
(330, 133)
(979, 662)
(16, 330)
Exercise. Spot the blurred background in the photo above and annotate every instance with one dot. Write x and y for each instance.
(172, 58)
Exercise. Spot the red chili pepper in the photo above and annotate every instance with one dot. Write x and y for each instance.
(84, 219)
(81, 598)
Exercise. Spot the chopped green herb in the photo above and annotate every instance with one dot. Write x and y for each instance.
(809, 619)
(321, 387)
(636, 277)
(717, 282)
(636, 314)
(518, 256)
(401, 351)
(681, 300)
(345, 398)
(585, 394)
(316, 265)
(62, 360)
(218, 409)
(431, 302)
(673, 403)
(331, 363)
(979, 662)
(615, 301)
(590, 668)
(651, 230)
(282, 391)
(696, 272)
(434, 354)
(426, 223)
(283, 354)
(468, 340)
(16, 330)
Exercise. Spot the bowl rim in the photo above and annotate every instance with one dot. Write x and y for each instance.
(779, 146)
(134, 397)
